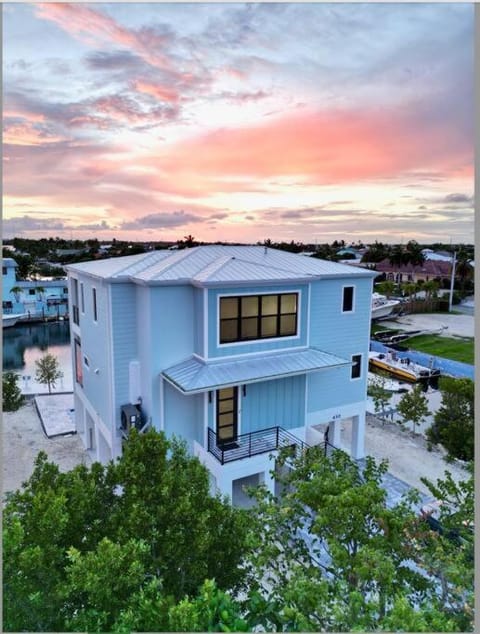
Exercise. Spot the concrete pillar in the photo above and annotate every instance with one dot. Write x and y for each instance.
(358, 436)
(225, 486)
(269, 481)
(334, 433)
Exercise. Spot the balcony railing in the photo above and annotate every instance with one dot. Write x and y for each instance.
(252, 444)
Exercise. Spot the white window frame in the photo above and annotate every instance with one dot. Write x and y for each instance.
(354, 297)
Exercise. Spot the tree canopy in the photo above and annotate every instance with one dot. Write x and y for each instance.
(140, 545)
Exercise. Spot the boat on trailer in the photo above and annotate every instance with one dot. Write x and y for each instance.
(403, 368)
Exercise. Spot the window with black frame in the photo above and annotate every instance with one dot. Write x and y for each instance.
(249, 317)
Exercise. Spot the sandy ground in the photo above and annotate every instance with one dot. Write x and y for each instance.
(407, 453)
(23, 438)
(452, 325)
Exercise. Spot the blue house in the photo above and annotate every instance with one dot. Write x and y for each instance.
(238, 350)
(41, 298)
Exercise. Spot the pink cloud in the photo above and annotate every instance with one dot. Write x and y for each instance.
(159, 91)
(322, 147)
(92, 26)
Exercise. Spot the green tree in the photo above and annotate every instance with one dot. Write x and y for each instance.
(357, 560)
(386, 288)
(379, 395)
(413, 253)
(376, 252)
(81, 547)
(11, 394)
(453, 424)
(17, 291)
(48, 371)
(413, 406)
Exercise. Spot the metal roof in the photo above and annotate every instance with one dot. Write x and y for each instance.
(194, 375)
(217, 264)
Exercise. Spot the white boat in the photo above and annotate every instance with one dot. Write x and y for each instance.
(383, 307)
(402, 368)
(9, 320)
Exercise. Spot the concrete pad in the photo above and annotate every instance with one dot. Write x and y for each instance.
(56, 413)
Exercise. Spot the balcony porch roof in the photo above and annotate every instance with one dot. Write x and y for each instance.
(195, 375)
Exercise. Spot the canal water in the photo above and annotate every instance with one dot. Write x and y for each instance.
(25, 344)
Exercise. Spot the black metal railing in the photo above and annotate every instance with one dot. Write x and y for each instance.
(252, 444)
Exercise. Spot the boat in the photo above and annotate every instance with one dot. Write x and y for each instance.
(403, 368)
(383, 307)
(11, 319)
(391, 385)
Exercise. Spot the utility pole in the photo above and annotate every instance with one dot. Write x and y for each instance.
(452, 282)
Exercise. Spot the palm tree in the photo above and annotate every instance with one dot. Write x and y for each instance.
(430, 287)
(189, 240)
(463, 268)
(17, 291)
(410, 288)
(40, 292)
(413, 253)
(386, 288)
(397, 256)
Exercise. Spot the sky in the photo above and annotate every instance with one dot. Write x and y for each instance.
(239, 122)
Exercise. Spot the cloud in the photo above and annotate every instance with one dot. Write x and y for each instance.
(459, 198)
(321, 147)
(162, 221)
(27, 223)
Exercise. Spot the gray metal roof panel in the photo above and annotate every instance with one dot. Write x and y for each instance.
(194, 375)
(218, 263)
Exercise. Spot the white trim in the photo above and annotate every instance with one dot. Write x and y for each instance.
(116, 442)
(362, 356)
(205, 420)
(161, 413)
(354, 299)
(247, 342)
(309, 314)
(205, 323)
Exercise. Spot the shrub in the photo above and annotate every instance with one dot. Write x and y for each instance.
(12, 396)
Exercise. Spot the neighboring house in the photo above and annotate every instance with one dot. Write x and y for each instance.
(237, 350)
(430, 270)
(34, 297)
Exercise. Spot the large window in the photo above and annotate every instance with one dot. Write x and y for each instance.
(347, 305)
(227, 408)
(357, 366)
(258, 317)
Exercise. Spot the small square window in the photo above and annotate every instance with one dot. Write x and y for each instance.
(31, 291)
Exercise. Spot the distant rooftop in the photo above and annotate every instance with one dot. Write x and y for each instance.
(216, 264)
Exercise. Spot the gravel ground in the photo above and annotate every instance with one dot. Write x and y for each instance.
(23, 438)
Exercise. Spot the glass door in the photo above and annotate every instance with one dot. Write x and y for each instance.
(227, 415)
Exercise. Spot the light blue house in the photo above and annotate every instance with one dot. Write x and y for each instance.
(237, 350)
(41, 298)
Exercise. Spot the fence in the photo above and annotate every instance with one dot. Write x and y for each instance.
(446, 366)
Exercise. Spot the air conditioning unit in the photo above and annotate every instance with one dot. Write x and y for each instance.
(131, 416)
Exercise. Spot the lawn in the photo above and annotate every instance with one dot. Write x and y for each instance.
(455, 349)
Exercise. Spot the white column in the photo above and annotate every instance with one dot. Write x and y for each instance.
(358, 436)
(269, 481)
(334, 433)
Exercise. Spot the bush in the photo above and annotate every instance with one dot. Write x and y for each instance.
(12, 396)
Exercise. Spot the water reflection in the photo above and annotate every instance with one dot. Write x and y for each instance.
(23, 345)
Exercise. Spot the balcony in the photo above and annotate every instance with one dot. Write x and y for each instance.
(252, 444)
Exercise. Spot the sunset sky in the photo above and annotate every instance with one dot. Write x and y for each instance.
(239, 122)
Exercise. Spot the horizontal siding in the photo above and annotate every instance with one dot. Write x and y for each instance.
(224, 350)
(183, 416)
(343, 334)
(124, 329)
(94, 338)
